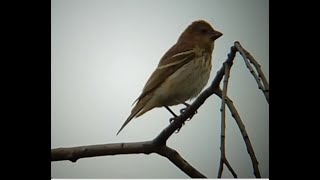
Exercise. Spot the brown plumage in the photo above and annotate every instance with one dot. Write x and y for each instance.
(182, 72)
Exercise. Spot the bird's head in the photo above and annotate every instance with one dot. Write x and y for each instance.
(200, 31)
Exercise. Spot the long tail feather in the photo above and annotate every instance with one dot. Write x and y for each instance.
(128, 120)
(138, 107)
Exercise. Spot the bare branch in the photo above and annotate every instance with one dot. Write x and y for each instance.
(75, 153)
(223, 158)
(260, 73)
(220, 168)
(264, 89)
(230, 168)
(243, 131)
(176, 159)
(223, 120)
(146, 147)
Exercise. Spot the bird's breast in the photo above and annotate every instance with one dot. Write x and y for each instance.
(186, 83)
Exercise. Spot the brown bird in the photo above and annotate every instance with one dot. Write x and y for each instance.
(182, 72)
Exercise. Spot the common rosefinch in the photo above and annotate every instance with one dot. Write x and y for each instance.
(182, 72)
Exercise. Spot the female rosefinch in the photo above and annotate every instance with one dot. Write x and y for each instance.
(182, 72)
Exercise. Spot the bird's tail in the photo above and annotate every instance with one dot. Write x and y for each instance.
(137, 108)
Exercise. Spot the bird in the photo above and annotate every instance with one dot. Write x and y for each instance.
(182, 72)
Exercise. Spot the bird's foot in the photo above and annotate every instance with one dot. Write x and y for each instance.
(173, 119)
(184, 109)
(181, 111)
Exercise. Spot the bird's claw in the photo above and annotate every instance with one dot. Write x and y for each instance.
(173, 119)
(184, 109)
(177, 130)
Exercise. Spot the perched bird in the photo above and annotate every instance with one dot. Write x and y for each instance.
(182, 72)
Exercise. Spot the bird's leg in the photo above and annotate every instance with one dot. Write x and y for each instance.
(172, 119)
(167, 107)
(184, 109)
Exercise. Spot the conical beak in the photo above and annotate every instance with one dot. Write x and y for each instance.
(216, 35)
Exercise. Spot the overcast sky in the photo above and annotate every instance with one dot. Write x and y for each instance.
(103, 52)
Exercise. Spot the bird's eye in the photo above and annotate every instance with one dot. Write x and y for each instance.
(204, 31)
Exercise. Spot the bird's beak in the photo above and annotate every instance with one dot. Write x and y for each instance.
(216, 35)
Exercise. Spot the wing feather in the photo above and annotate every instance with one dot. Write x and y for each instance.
(177, 56)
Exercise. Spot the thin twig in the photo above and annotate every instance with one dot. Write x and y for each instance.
(243, 131)
(176, 159)
(220, 167)
(245, 58)
(230, 168)
(223, 117)
(260, 73)
(223, 158)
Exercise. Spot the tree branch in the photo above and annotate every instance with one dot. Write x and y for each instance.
(243, 131)
(264, 89)
(176, 159)
(258, 67)
(75, 153)
(223, 158)
(146, 147)
(260, 73)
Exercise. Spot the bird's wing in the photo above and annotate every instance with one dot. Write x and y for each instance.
(177, 56)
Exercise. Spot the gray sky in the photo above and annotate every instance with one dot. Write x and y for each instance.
(103, 52)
